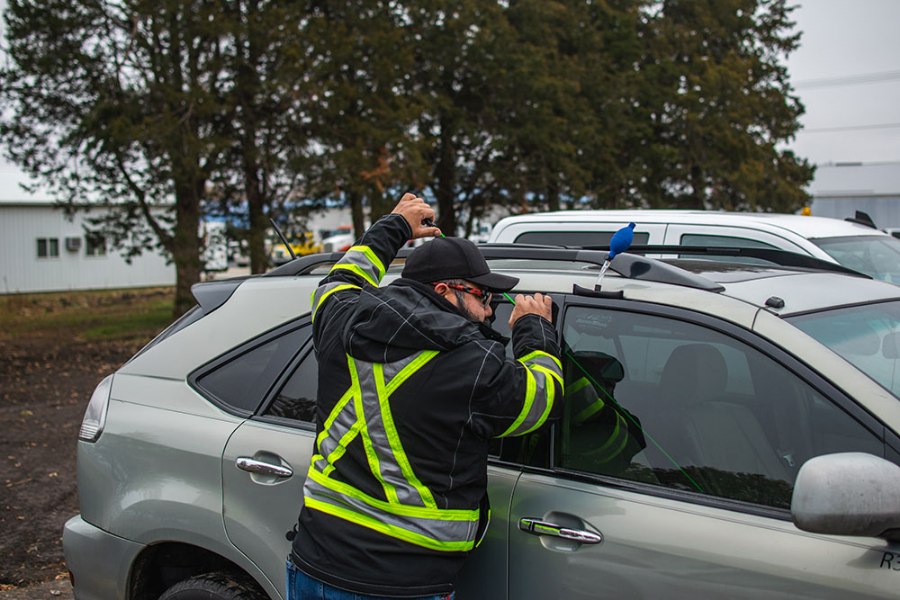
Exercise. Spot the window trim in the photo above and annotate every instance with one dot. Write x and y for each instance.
(238, 351)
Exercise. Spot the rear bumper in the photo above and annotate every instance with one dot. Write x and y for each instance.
(99, 560)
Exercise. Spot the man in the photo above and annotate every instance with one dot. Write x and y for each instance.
(413, 385)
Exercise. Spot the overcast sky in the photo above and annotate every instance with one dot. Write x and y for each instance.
(846, 72)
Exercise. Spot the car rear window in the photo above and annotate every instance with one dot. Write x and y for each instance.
(241, 379)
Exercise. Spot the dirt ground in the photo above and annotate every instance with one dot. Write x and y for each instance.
(46, 381)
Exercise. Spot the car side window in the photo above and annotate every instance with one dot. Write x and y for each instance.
(241, 379)
(576, 238)
(675, 404)
(296, 399)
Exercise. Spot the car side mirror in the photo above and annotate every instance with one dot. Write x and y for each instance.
(850, 493)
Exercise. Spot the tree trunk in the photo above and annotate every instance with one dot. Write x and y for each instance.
(552, 195)
(186, 249)
(445, 180)
(259, 262)
(379, 205)
(356, 211)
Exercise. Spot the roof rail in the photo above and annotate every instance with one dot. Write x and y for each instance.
(776, 256)
(627, 265)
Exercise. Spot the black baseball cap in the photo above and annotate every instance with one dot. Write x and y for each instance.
(454, 258)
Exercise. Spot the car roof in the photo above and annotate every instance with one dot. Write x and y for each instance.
(806, 226)
(800, 290)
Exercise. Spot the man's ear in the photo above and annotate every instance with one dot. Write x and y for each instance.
(441, 288)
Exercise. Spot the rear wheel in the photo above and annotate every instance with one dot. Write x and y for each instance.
(214, 586)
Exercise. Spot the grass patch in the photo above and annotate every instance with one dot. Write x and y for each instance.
(89, 315)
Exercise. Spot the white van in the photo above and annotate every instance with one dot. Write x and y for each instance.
(852, 244)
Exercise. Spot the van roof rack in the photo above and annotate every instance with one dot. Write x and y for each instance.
(776, 256)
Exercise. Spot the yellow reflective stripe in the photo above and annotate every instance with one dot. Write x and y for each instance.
(357, 270)
(388, 529)
(403, 510)
(591, 410)
(601, 454)
(541, 354)
(338, 452)
(530, 390)
(551, 394)
(346, 286)
(338, 408)
(409, 370)
(394, 438)
(577, 386)
(373, 258)
(612, 437)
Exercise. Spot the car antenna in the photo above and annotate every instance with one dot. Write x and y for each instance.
(283, 239)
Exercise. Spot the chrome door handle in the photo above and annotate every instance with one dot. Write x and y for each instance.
(245, 463)
(538, 527)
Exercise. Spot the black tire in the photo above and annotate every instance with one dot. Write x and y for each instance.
(213, 586)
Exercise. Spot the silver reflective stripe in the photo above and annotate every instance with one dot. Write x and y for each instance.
(546, 361)
(391, 473)
(323, 291)
(345, 421)
(362, 261)
(429, 529)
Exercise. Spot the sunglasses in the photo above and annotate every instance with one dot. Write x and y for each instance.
(483, 296)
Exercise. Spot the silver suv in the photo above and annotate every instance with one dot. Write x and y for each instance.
(730, 430)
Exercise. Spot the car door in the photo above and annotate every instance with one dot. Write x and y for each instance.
(670, 472)
(265, 460)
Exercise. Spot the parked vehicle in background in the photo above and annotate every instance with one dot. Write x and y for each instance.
(854, 245)
(338, 240)
(302, 245)
(728, 430)
(215, 246)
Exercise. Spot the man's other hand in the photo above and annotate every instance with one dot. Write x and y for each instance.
(415, 210)
(539, 304)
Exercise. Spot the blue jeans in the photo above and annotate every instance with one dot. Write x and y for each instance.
(301, 586)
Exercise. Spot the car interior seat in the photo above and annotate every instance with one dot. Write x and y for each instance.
(700, 428)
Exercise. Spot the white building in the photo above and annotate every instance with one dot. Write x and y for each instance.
(840, 189)
(44, 250)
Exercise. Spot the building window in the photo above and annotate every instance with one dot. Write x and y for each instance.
(95, 245)
(48, 247)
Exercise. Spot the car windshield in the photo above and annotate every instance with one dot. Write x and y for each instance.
(875, 255)
(867, 336)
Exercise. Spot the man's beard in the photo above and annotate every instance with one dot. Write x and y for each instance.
(461, 307)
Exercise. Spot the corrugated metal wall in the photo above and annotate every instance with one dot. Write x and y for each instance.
(884, 210)
(21, 270)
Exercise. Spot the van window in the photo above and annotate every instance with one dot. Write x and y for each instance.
(576, 238)
(700, 239)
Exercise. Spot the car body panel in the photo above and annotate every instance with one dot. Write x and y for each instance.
(103, 572)
(486, 574)
(260, 532)
(154, 474)
(251, 309)
(656, 546)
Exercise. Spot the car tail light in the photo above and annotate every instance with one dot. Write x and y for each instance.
(95, 415)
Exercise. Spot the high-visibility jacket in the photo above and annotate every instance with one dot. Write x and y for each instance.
(411, 393)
